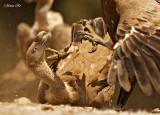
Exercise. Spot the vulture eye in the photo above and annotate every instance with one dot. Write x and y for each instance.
(37, 39)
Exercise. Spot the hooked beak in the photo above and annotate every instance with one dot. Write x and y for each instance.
(45, 38)
(42, 37)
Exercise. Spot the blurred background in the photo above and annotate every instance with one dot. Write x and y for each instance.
(71, 10)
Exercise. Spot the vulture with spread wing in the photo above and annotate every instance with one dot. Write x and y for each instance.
(134, 29)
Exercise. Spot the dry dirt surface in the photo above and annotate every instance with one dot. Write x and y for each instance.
(24, 106)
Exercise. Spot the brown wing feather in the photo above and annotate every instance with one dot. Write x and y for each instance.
(153, 70)
(142, 74)
(123, 75)
(137, 55)
(112, 72)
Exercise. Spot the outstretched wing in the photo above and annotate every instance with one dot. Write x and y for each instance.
(137, 54)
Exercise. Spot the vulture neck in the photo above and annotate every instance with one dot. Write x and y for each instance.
(45, 73)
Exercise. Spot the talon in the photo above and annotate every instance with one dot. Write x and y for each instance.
(84, 34)
(92, 84)
(98, 83)
(94, 48)
(88, 36)
(81, 40)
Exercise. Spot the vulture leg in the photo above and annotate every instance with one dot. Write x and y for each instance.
(57, 54)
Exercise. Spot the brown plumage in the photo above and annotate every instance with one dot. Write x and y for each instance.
(138, 38)
(137, 44)
(83, 66)
(134, 28)
(69, 82)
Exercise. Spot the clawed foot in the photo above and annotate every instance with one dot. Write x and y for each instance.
(91, 38)
(95, 40)
(56, 54)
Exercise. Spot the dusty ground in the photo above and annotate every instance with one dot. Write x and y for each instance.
(24, 106)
